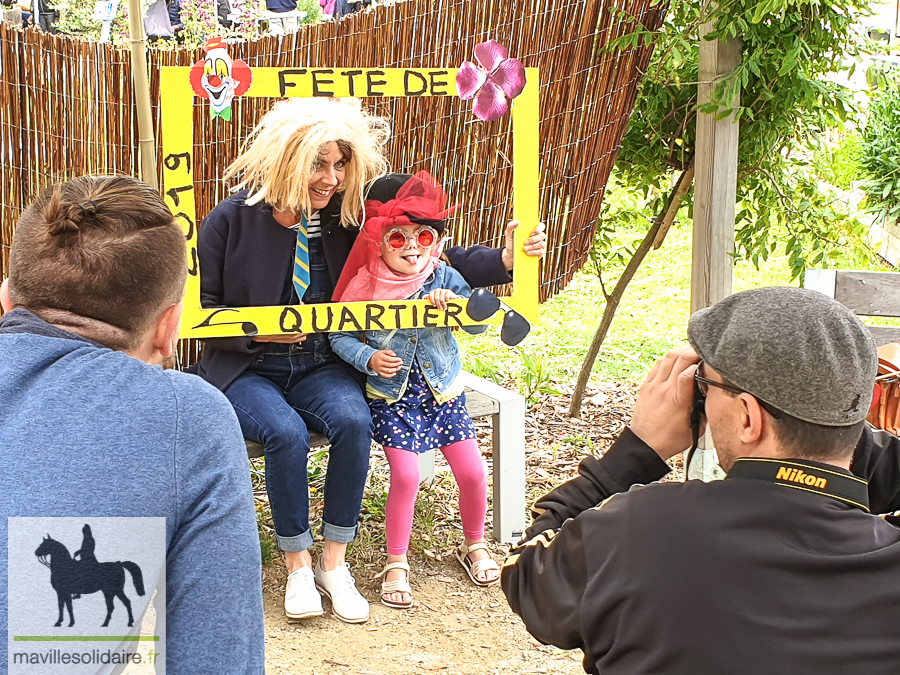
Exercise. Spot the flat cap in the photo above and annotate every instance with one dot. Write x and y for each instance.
(795, 349)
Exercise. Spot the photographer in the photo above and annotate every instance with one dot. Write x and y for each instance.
(780, 568)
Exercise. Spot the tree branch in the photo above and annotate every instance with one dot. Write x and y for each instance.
(787, 206)
(612, 304)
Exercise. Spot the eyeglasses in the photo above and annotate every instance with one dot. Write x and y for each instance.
(704, 383)
(398, 238)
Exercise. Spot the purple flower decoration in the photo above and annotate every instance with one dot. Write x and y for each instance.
(499, 78)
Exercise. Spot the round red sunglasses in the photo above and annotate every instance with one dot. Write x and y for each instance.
(398, 238)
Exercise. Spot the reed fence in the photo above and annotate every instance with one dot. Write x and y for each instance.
(67, 109)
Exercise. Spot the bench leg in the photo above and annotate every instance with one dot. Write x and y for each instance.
(426, 467)
(509, 471)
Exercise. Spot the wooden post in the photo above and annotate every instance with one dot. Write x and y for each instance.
(896, 20)
(715, 182)
(142, 94)
(715, 187)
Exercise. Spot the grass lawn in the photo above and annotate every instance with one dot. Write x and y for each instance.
(652, 319)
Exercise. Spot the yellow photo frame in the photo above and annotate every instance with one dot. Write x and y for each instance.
(177, 101)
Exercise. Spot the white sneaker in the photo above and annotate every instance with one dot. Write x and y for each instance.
(301, 599)
(340, 586)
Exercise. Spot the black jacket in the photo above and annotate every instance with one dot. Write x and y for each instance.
(246, 259)
(736, 576)
(877, 461)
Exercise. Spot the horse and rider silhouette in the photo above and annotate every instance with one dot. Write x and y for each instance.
(72, 578)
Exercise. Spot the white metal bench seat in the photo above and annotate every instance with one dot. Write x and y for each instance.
(507, 410)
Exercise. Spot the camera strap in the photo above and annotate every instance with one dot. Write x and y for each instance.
(804, 475)
(696, 416)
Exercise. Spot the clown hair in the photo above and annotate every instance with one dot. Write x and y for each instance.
(280, 154)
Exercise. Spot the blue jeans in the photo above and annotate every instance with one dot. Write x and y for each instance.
(278, 400)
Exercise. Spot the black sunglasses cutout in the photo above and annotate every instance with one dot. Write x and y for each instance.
(483, 304)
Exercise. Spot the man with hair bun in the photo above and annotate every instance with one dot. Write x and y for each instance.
(92, 427)
(779, 568)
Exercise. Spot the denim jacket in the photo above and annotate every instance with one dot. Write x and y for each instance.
(434, 348)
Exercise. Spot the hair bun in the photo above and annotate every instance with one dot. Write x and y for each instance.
(62, 226)
(71, 218)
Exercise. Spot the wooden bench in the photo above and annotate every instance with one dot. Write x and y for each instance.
(507, 411)
(865, 293)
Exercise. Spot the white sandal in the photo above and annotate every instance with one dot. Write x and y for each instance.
(397, 586)
(475, 567)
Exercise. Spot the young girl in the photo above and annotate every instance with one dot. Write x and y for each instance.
(417, 401)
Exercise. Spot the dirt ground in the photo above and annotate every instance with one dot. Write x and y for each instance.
(454, 627)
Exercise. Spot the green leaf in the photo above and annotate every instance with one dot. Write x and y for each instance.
(760, 11)
(788, 63)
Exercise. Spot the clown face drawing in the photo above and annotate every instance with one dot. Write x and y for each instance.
(220, 78)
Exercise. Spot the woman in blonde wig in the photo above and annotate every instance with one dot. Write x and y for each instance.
(305, 167)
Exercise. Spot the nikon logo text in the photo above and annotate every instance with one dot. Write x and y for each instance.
(797, 476)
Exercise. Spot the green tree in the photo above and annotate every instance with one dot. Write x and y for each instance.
(789, 50)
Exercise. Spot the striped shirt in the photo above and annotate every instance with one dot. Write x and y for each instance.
(313, 226)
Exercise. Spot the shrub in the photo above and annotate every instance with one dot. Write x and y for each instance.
(840, 164)
(881, 158)
(312, 9)
(77, 18)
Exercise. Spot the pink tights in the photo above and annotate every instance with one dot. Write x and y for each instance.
(468, 469)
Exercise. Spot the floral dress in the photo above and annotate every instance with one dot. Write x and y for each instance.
(417, 422)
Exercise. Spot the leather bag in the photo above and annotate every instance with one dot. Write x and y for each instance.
(885, 410)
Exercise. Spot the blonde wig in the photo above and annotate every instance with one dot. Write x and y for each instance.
(278, 157)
